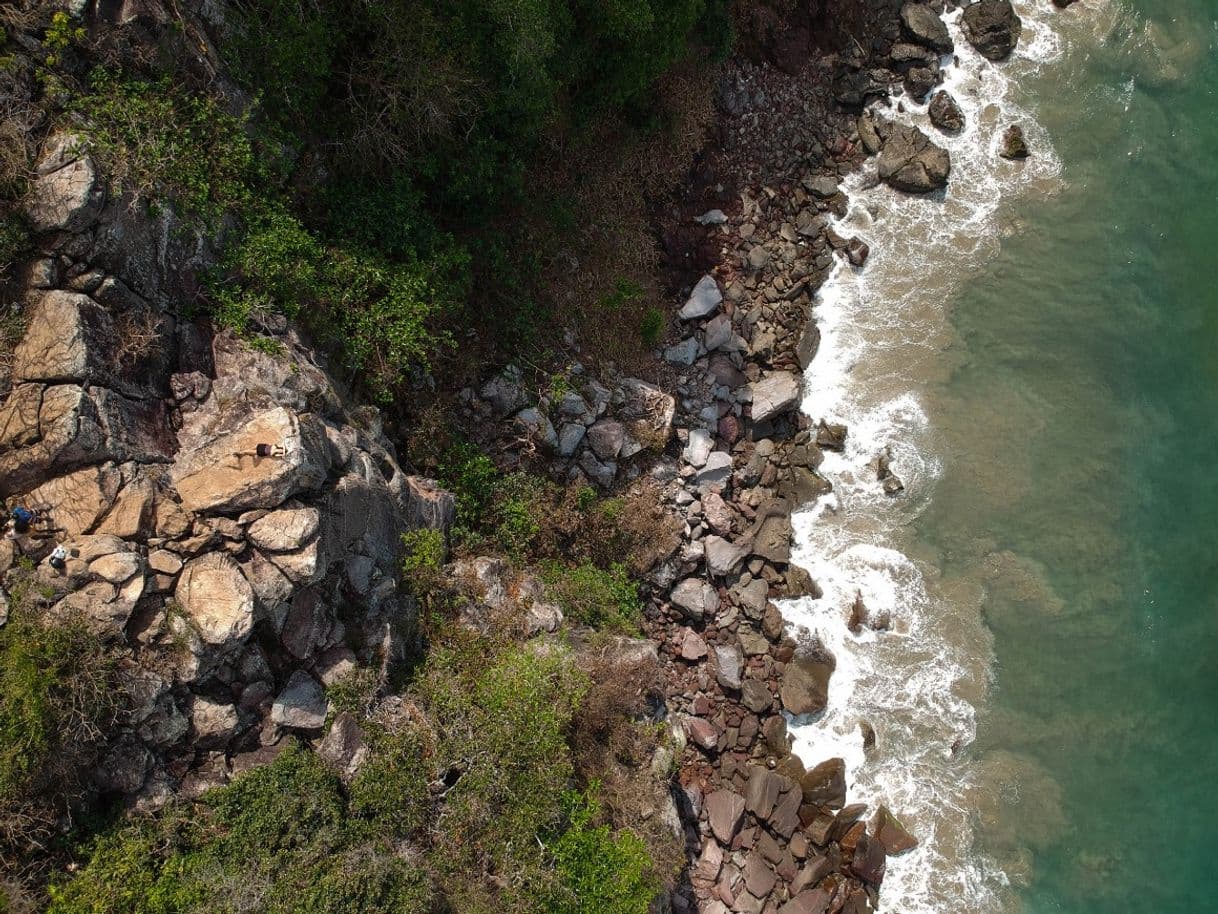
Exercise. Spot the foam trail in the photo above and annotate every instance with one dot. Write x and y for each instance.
(883, 332)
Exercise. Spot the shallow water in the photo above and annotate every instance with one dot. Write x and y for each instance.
(1035, 350)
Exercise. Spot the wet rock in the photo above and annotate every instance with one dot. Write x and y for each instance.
(868, 862)
(1014, 146)
(910, 162)
(857, 251)
(775, 394)
(301, 705)
(805, 682)
(923, 25)
(945, 114)
(809, 345)
(920, 80)
(889, 831)
(831, 436)
(825, 785)
(725, 813)
(696, 597)
(992, 27)
(703, 301)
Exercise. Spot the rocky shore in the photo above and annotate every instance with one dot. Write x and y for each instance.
(245, 585)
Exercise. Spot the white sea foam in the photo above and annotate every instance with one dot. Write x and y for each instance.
(884, 329)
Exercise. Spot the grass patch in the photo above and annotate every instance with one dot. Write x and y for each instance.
(604, 599)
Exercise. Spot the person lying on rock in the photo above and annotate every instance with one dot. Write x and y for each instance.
(58, 559)
(21, 520)
(263, 450)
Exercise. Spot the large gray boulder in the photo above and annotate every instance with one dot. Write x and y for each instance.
(910, 162)
(992, 27)
(216, 599)
(923, 25)
(301, 705)
(776, 394)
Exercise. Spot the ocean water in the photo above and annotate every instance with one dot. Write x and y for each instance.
(1037, 351)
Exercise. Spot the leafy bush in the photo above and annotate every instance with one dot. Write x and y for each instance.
(423, 560)
(593, 596)
(390, 792)
(471, 476)
(58, 697)
(160, 138)
(600, 872)
(277, 840)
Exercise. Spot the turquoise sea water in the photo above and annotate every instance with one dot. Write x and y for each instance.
(1078, 434)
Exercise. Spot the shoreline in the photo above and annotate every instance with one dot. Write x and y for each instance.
(853, 865)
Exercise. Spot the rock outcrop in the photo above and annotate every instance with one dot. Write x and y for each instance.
(230, 519)
(910, 162)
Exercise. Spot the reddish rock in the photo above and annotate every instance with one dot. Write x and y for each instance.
(868, 862)
(729, 430)
(702, 732)
(825, 785)
(758, 877)
(889, 831)
(693, 647)
(724, 812)
(813, 901)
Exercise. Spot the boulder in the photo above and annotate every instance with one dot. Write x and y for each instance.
(910, 162)
(945, 114)
(703, 301)
(810, 901)
(992, 27)
(889, 831)
(825, 785)
(920, 80)
(723, 558)
(505, 392)
(724, 812)
(755, 695)
(702, 732)
(648, 413)
(66, 193)
(728, 662)
(831, 436)
(74, 503)
(805, 682)
(696, 597)
(538, 428)
(693, 646)
(1014, 146)
(868, 862)
(923, 25)
(301, 705)
(285, 530)
(213, 723)
(775, 394)
(344, 748)
(220, 472)
(216, 598)
(772, 540)
(607, 438)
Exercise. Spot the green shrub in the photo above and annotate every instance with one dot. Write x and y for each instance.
(391, 793)
(57, 697)
(471, 476)
(14, 239)
(158, 139)
(594, 596)
(600, 872)
(510, 787)
(423, 560)
(517, 508)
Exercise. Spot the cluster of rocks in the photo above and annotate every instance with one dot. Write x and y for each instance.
(592, 431)
(234, 585)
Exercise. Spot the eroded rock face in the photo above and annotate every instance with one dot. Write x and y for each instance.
(67, 193)
(910, 162)
(992, 27)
